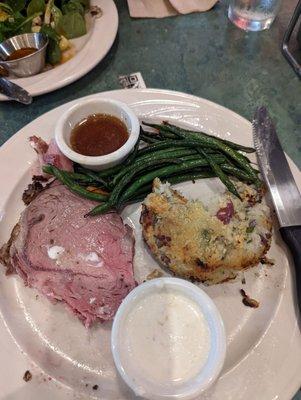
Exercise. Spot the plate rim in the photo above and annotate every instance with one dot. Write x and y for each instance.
(287, 392)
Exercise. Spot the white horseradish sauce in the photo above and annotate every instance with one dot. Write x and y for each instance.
(166, 337)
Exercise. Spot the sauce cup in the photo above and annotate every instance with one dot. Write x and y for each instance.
(173, 350)
(28, 65)
(80, 111)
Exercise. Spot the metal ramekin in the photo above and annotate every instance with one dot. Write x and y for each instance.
(28, 65)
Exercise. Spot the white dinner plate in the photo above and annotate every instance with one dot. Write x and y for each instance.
(90, 49)
(263, 360)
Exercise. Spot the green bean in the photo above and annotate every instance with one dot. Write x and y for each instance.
(164, 171)
(140, 162)
(93, 175)
(220, 174)
(127, 178)
(101, 209)
(110, 171)
(238, 173)
(75, 188)
(166, 152)
(234, 145)
(148, 139)
(158, 146)
(170, 128)
(160, 135)
(152, 148)
(162, 130)
(185, 155)
(47, 169)
(173, 180)
(152, 135)
(190, 177)
(155, 156)
(155, 146)
(124, 181)
(79, 177)
(133, 154)
(166, 134)
(136, 199)
(170, 150)
(216, 143)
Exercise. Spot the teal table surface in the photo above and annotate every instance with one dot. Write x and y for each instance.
(202, 54)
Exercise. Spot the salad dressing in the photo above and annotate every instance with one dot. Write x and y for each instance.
(20, 53)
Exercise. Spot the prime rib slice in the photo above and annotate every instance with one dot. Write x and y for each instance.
(84, 262)
(48, 154)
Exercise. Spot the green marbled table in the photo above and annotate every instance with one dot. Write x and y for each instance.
(201, 54)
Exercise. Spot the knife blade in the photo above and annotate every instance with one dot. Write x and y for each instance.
(280, 181)
(275, 170)
(14, 92)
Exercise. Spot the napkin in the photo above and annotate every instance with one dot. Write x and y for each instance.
(167, 8)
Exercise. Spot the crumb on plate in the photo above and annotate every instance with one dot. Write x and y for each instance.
(248, 301)
(27, 376)
(154, 274)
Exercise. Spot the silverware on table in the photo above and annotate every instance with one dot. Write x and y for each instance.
(279, 179)
(14, 92)
(291, 44)
(29, 65)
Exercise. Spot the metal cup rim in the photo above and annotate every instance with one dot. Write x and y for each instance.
(30, 55)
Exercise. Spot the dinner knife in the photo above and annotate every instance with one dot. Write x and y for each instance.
(280, 181)
(14, 92)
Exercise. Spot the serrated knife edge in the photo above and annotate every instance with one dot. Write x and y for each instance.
(275, 170)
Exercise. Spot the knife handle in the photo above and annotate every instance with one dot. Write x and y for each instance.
(292, 237)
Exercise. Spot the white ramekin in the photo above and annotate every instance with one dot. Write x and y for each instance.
(98, 105)
(208, 373)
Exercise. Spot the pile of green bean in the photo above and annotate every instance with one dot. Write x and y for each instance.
(172, 154)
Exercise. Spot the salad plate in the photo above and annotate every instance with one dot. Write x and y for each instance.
(68, 361)
(89, 50)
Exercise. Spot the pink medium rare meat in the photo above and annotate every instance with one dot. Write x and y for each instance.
(49, 154)
(84, 262)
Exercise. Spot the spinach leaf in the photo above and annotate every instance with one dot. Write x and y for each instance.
(53, 54)
(50, 32)
(6, 27)
(17, 25)
(86, 4)
(23, 22)
(72, 25)
(6, 8)
(6, 30)
(35, 6)
(73, 5)
(16, 5)
(25, 27)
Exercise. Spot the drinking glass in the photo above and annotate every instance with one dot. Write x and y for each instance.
(253, 15)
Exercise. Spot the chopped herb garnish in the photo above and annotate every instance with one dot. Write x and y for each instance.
(206, 234)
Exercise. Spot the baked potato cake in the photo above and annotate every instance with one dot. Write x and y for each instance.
(206, 243)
